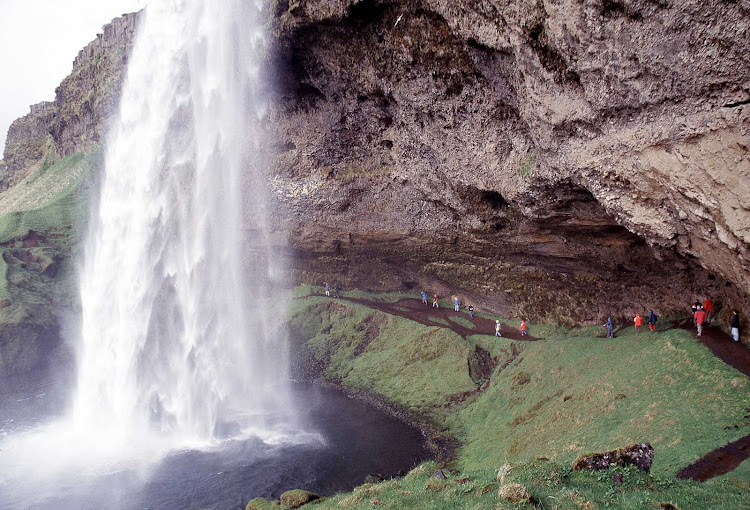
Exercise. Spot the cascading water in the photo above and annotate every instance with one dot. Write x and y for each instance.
(169, 340)
(180, 399)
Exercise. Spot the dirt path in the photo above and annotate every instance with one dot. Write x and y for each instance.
(414, 309)
(732, 353)
(718, 462)
(727, 458)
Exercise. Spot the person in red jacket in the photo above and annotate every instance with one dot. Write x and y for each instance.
(638, 321)
(708, 306)
(700, 317)
(523, 328)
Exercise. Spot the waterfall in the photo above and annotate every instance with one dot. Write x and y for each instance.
(171, 343)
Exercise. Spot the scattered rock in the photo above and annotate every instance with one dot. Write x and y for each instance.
(620, 396)
(375, 502)
(639, 455)
(503, 472)
(373, 479)
(567, 397)
(668, 506)
(617, 478)
(297, 497)
(463, 480)
(514, 492)
(521, 378)
(440, 473)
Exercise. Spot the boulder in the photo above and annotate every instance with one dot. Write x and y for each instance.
(297, 497)
(640, 455)
(514, 492)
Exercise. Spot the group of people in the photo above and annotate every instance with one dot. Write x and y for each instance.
(336, 289)
(702, 314)
(470, 309)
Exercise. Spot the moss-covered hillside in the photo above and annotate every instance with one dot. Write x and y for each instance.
(551, 399)
(42, 220)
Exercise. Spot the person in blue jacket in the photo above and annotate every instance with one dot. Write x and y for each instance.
(610, 328)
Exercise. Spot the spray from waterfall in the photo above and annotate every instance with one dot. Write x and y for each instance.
(171, 343)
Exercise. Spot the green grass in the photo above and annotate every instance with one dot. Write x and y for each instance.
(551, 486)
(414, 366)
(573, 393)
(36, 282)
(665, 389)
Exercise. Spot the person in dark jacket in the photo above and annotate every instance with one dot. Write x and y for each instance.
(652, 318)
(735, 325)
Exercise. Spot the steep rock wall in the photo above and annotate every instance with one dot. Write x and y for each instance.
(512, 141)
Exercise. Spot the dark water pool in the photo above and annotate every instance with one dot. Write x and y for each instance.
(345, 440)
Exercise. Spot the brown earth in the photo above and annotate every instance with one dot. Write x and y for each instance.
(414, 309)
(728, 457)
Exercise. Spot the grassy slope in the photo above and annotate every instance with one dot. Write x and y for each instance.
(663, 388)
(36, 281)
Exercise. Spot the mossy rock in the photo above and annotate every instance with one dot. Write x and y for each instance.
(297, 497)
(262, 504)
(514, 492)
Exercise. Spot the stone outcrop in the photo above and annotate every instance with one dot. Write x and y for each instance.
(555, 159)
(639, 455)
(85, 102)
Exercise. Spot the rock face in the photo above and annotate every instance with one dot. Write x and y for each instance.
(84, 104)
(559, 158)
(553, 159)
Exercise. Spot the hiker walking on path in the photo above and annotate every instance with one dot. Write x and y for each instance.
(638, 321)
(471, 311)
(652, 318)
(424, 297)
(456, 304)
(700, 318)
(708, 306)
(608, 325)
(498, 328)
(328, 289)
(735, 325)
(523, 328)
(435, 301)
(336, 290)
(695, 309)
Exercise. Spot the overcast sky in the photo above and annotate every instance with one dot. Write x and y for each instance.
(39, 40)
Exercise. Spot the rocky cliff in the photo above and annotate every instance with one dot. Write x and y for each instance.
(84, 104)
(595, 149)
(560, 159)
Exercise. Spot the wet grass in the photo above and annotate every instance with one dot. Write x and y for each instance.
(570, 394)
(42, 221)
(550, 485)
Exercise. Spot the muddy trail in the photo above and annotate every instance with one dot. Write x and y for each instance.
(415, 310)
(727, 458)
